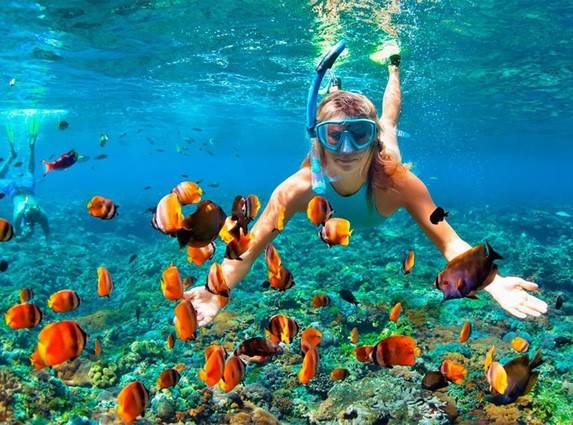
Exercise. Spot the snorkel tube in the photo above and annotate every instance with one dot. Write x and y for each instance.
(318, 185)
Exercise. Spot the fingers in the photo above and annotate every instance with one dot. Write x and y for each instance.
(537, 304)
(530, 286)
(515, 312)
(529, 311)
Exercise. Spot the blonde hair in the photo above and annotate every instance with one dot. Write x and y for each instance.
(382, 169)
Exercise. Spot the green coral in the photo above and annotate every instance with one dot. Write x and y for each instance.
(552, 402)
(102, 375)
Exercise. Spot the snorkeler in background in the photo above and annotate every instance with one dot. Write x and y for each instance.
(20, 188)
(352, 163)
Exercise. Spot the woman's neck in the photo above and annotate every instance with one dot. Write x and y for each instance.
(348, 185)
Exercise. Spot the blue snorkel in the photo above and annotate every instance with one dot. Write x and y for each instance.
(318, 185)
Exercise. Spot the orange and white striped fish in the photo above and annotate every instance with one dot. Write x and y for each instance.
(336, 231)
(57, 343)
(168, 217)
(408, 263)
(233, 373)
(198, 256)
(395, 312)
(519, 344)
(283, 280)
(320, 300)
(310, 338)
(6, 230)
(453, 371)
(132, 401)
(23, 316)
(466, 332)
(171, 283)
(282, 328)
(212, 372)
(309, 366)
(168, 378)
(354, 335)
(188, 192)
(217, 285)
(319, 210)
(185, 321)
(103, 208)
(104, 282)
(273, 260)
(26, 294)
(64, 300)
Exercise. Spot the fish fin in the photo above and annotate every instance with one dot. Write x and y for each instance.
(491, 253)
(472, 295)
(48, 166)
(536, 360)
(532, 380)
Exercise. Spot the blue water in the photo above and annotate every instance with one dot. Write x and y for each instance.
(487, 98)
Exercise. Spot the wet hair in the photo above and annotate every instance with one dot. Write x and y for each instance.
(384, 169)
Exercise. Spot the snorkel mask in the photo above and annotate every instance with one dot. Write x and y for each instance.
(318, 185)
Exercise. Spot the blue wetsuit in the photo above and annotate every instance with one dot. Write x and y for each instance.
(354, 207)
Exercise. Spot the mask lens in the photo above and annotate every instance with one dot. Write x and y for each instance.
(361, 132)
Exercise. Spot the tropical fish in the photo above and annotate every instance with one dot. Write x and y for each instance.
(348, 296)
(26, 294)
(6, 230)
(408, 263)
(104, 282)
(103, 138)
(319, 210)
(258, 347)
(453, 371)
(62, 125)
(273, 260)
(103, 208)
(519, 375)
(170, 342)
(132, 258)
(101, 156)
(65, 160)
(212, 372)
(559, 301)
(310, 338)
(320, 300)
(233, 373)
(283, 280)
(339, 374)
(354, 335)
(309, 366)
(97, 347)
(168, 378)
(167, 217)
(438, 215)
(336, 231)
(488, 359)
(185, 321)
(132, 401)
(364, 353)
(198, 256)
(64, 300)
(57, 343)
(465, 332)
(519, 344)
(22, 316)
(282, 328)
(397, 350)
(468, 273)
(188, 192)
(395, 312)
(171, 283)
(217, 285)
(203, 226)
(3, 266)
(237, 247)
(434, 380)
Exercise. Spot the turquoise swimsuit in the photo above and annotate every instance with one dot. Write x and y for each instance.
(354, 207)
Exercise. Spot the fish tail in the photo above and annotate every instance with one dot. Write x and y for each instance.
(491, 253)
(536, 360)
(49, 167)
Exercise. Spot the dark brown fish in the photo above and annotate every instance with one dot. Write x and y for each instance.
(434, 380)
(520, 378)
(101, 156)
(559, 301)
(132, 258)
(62, 125)
(438, 215)
(203, 226)
(258, 346)
(348, 296)
(468, 273)
(17, 164)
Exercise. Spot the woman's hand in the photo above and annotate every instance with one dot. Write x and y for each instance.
(205, 303)
(511, 294)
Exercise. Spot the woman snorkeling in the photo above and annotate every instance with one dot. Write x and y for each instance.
(20, 188)
(366, 183)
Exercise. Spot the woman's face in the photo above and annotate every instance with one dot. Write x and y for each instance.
(346, 163)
